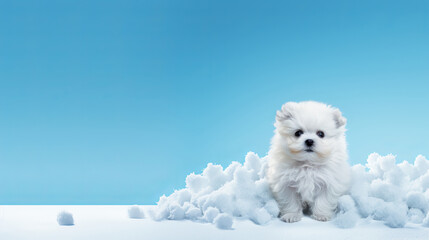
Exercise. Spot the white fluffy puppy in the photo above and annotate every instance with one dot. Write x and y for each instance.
(307, 166)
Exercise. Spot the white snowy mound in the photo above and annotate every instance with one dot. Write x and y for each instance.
(239, 191)
(381, 190)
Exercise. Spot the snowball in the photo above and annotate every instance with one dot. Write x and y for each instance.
(223, 221)
(346, 203)
(210, 214)
(135, 212)
(65, 219)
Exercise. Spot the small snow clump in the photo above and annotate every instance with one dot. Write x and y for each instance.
(135, 212)
(65, 219)
(223, 221)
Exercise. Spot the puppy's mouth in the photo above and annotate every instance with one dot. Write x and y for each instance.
(309, 150)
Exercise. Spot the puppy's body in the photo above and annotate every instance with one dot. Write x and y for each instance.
(308, 160)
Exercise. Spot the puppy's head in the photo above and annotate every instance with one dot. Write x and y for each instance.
(311, 131)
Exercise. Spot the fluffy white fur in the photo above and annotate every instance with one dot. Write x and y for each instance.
(303, 177)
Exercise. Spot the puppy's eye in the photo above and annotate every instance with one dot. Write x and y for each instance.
(320, 134)
(298, 133)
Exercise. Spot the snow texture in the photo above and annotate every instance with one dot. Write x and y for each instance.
(426, 221)
(381, 190)
(65, 219)
(135, 212)
(20, 222)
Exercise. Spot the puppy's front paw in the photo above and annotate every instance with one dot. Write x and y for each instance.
(320, 217)
(291, 217)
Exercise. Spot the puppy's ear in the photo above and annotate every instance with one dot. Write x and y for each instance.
(338, 118)
(286, 112)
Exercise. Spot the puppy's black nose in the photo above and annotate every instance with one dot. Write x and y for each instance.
(309, 142)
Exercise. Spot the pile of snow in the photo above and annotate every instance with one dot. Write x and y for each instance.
(390, 192)
(218, 194)
(381, 190)
(65, 219)
(135, 212)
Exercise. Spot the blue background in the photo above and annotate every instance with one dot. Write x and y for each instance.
(107, 102)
